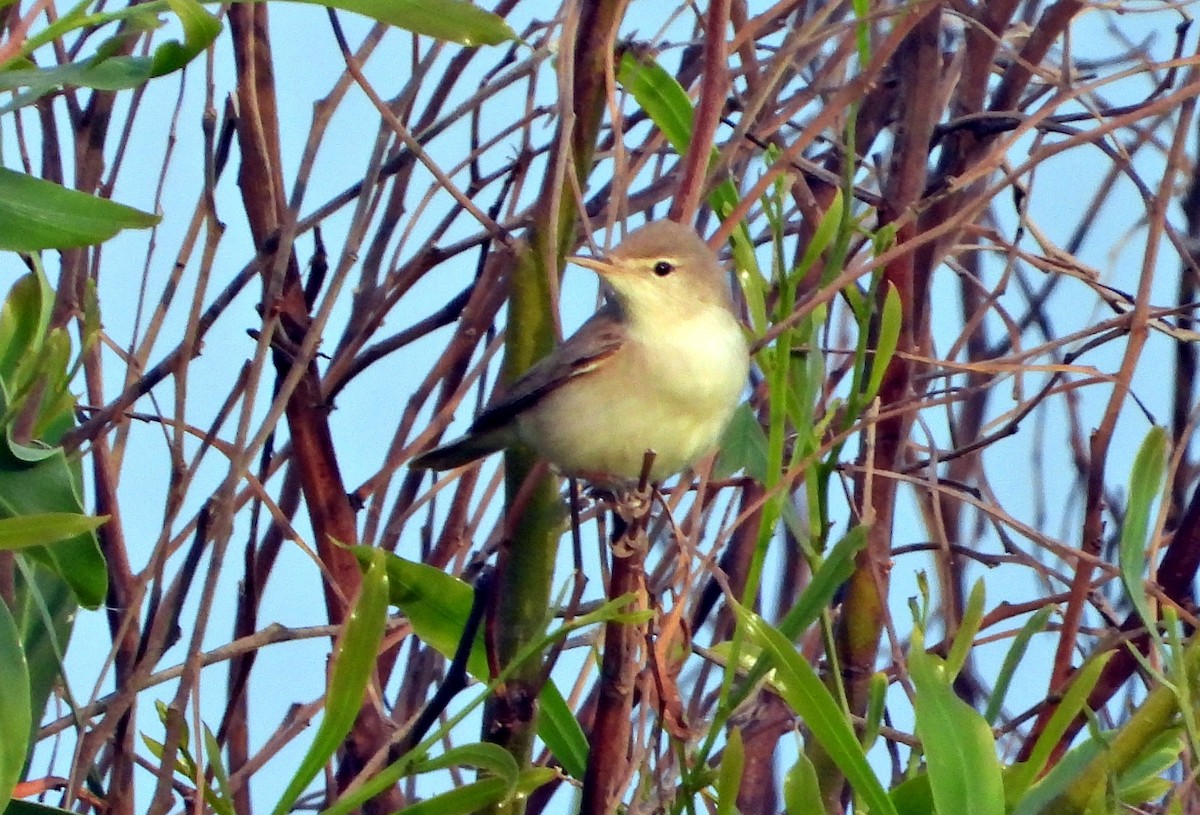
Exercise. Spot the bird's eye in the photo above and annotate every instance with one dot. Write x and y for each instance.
(663, 268)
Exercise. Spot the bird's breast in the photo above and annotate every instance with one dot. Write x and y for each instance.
(671, 389)
(703, 360)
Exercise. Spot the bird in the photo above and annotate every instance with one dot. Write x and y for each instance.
(661, 366)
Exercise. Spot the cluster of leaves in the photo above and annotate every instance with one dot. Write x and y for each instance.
(57, 565)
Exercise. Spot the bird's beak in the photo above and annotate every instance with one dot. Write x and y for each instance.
(600, 265)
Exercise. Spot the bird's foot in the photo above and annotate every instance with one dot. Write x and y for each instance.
(628, 501)
(631, 507)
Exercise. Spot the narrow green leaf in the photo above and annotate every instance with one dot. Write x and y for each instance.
(108, 68)
(16, 717)
(220, 798)
(353, 669)
(113, 74)
(37, 214)
(491, 758)
(1145, 484)
(436, 604)
(862, 31)
(661, 97)
(24, 321)
(1058, 778)
(665, 101)
(889, 338)
(799, 686)
(960, 751)
(45, 528)
(156, 749)
(498, 763)
(827, 229)
(667, 104)
(451, 20)
(876, 707)
(801, 789)
(164, 716)
(44, 609)
(31, 808)
(729, 777)
(1139, 783)
(530, 780)
(967, 629)
(1034, 625)
(883, 239)
(561, 732)
(56, 414)
(466, 799)
(831, 575)
(79, 562)
(1065, 711)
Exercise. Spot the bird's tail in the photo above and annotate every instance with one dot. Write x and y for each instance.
(461, 451)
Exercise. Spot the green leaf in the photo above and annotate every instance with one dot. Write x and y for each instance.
(744, 446)
(182, 765)
(37, 214)
(827, 229)
(44, 609)
(353, 669)
(35, 360)
(666, 102)
(451, 20)
(49, 486)
(109, 68)
(1035, 624)
(220, 798)
(1140, 782)
(561, 732)
(960, 751)
(802, 789)
(530, 780)
(437, 606)
(913, 796)
(967, 629)
(1130, 785)
(830, 576)
(1072, 702)
(24, 322)
(31, 808)
(45, 528)
(889, 338)
(877, 690)
(729, 779)
(661, 97)
(16, 717)
(111, 74)
(799, 686)
(1145, 483)
(466, 799)
(503, 781)
(199, 30)
(491, 758)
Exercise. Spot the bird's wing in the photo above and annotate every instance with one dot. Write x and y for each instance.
(585, 351)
